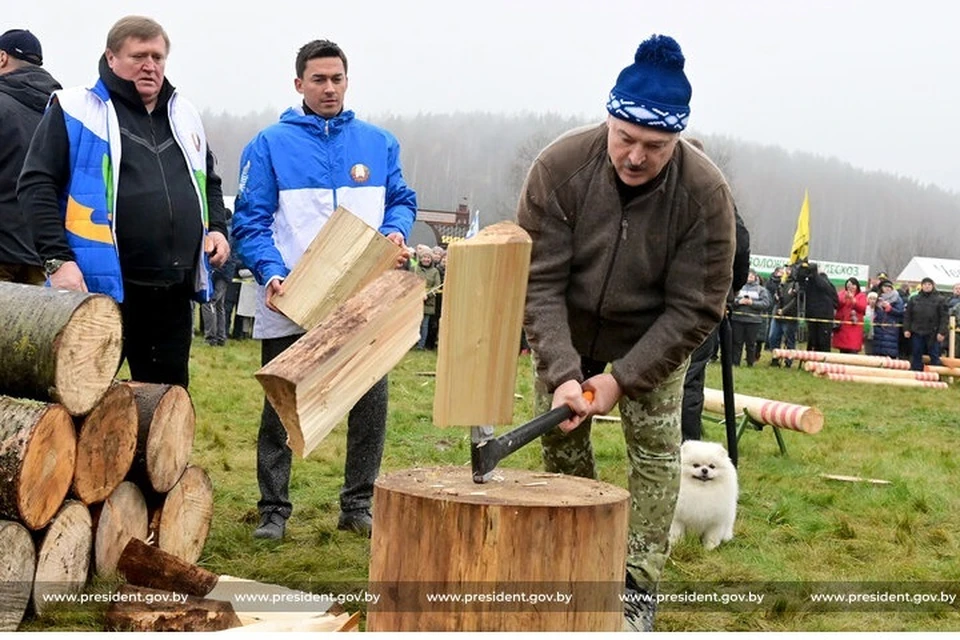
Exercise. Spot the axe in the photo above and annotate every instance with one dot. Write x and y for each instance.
(487, 451)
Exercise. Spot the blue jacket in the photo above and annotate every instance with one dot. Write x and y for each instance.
(886, 337)
(293, 176)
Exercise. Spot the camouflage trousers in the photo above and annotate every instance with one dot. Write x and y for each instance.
(651, 429)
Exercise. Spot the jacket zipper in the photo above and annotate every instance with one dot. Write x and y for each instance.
(606, 280)
(163, 177)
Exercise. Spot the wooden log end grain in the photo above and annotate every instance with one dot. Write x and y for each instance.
(18, 560)
(186, 515)
(63, 556)
(106, 444)
(38, 448)
(122, 516)
(167, 424)
(88, 354)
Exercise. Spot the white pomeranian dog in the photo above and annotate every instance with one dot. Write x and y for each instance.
(707, 504)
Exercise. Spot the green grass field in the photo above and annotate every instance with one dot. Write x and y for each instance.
(792, 524)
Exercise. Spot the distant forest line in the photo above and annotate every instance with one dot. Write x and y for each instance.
(865, 217)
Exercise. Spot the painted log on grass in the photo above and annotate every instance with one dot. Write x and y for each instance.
(841, 358)
(59, 346)
(145, 609)
(184, 516)
(314, 384)
(120, 517)
(166, 423)
(344, 257)
(484, 293)
(18, 562)
(38, 450)
(823, 368)
(785, 415)
(106, 444)
(439, 532)
(893, 382)
(63, 555)
(942, 371)
(145, 565)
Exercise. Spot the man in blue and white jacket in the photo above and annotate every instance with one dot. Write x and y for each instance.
(293, 176)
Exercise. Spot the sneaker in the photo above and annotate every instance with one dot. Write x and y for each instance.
(788, 363)
(359, 522)
(775, 362)
(272, 526)
(639, 607)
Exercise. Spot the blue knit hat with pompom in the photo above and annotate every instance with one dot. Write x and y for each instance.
(653, 91)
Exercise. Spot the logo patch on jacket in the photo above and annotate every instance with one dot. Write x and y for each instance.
(360, 173)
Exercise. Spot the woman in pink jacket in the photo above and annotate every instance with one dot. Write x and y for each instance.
(848, 338)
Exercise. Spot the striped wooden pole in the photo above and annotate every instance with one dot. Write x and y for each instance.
(841, 358)
(897, 382)
(943, 371)
(795, 417)
(823, 368)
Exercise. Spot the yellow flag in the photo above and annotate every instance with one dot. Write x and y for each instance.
(801, 239)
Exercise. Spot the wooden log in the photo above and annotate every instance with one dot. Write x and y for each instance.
(785, 415)
(483, 300)
(823, 368)
(185, 515)
(347, 255)
(63, 556)
(144, 609)
(257, 602)
(166, 425)
(59, 346)
(18, 562)
(841, 358)
(314, 384)
(106, 444)
(946, 361)
(893, 382)
(303, 623)
(121, 516)
(942, 371)
(38, 449)
(145, 565)
(438, 532)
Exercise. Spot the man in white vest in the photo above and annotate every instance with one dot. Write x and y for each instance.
(124, 200)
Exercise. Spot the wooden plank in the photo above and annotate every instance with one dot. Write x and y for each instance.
(483, 300)
(316, 382)
(343, 258)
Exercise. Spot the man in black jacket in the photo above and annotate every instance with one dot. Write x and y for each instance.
(123, 194)
(821, 305)
(925, 324)
(25, 88)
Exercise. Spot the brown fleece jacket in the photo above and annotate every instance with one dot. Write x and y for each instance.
(640, 286)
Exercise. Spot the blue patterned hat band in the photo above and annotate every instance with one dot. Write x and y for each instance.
(653, 91)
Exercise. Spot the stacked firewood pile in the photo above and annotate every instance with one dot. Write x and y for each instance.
(86, 462)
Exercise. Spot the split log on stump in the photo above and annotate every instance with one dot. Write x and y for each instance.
(38, 449)
(841, 358)
(63, 556)
(143, 609)
(439, 532)
(313, 384)
(785, 415)
(182, 522)
(144, 565)
(121, 516)
(484, 293)
(166, 426)
(823, 368)
(61, 346)
(893, 382)
(106, 443)
(345, 256)
(18, 562)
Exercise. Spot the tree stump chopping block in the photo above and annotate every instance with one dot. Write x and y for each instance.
(527, 551)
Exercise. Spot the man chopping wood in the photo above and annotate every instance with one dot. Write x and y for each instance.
(293, 175)
(633, 244)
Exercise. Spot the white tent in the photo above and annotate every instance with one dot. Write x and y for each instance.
(944, 272)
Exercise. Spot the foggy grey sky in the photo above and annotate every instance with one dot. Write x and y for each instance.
(874, 83)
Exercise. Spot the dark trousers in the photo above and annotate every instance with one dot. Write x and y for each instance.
(157, 330)
(691, 415)
(921, 345)
(819, 335)
(745, 335)
(366, 433)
